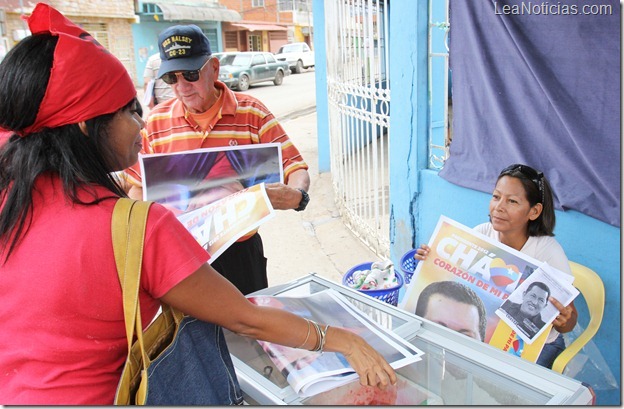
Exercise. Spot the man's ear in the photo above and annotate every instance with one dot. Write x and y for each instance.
(216, 63)
(83, 128)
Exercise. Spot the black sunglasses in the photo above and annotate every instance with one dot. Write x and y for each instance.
(190, 76)
(533, 175)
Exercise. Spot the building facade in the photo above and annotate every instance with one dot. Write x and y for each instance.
(353, 99)
(110, 22)
(266, 25)
(155, 16)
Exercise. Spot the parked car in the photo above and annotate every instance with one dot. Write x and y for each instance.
(297, 55)
(240, 70)
(220, 56)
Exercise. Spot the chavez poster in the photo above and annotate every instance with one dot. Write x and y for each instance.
(187, 180)
(310, 373)
(527, 309)
(217, 193)
(218, 225)
(489, 268)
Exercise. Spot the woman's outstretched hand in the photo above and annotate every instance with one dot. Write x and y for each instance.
(369, 364)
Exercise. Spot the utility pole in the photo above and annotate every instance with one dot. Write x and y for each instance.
(310, 23)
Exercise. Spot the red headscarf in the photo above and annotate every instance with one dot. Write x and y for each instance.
(86, 80)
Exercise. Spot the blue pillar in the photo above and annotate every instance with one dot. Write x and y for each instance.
(408, 119)
(320, 68)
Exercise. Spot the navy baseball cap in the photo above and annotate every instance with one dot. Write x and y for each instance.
(182, 48)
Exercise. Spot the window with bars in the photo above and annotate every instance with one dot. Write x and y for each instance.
(285, 5)
(231, 40)
(257, 3)
(255, 43)
(441, 108)
(303, 5)
(3, 31)
(153, 9)
(294, 5)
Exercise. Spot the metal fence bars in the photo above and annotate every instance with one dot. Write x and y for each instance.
(359, 116)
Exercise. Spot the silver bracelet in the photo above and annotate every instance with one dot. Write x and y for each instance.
(307, 336)
(323, 334)
(317, 346)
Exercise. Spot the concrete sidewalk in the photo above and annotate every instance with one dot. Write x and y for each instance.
(315, 240)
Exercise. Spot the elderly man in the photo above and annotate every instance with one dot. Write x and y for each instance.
(206, 114)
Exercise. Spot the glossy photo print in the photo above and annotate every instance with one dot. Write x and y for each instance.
(187, 180)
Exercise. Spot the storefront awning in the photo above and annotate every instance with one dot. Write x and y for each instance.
(196, 12)
(260, 27)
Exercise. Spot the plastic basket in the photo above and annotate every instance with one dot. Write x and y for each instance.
(387, 295)
(408, 265)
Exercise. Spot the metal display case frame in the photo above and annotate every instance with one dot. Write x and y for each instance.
(482, 374)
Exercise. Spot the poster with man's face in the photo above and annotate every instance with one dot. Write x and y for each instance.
(185, 181)
(479, 274)
(217, 193)
(460, 254)
(528, 310)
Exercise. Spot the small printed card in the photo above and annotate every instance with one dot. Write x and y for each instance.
(528, 310)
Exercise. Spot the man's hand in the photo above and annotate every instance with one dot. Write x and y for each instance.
(283, 197)
(421, 252)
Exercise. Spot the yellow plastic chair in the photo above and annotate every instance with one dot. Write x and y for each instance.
(591, 287)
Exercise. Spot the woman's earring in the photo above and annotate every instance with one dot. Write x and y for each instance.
(83, 128)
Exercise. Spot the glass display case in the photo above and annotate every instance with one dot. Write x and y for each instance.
(455, 369)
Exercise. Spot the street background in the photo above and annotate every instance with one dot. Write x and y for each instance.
(314, 240)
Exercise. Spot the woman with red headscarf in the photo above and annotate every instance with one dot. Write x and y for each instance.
(74, 120)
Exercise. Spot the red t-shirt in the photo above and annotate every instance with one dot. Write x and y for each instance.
(63, 338)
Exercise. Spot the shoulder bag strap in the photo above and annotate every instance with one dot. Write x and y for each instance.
(128, 232)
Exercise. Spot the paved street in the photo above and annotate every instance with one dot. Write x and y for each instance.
(296, 94)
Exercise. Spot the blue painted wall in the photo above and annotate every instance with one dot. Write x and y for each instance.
(418, 196)
(585, 240)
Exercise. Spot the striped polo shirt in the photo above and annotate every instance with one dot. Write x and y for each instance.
(243, 120)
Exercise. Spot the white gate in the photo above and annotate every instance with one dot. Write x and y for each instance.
(359, 115)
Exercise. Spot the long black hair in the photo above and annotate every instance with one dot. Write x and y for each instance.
(537, 190)
(81, 161)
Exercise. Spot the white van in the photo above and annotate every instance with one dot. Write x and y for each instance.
(297, 55)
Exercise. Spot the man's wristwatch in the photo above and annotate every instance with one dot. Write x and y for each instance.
(304, 200)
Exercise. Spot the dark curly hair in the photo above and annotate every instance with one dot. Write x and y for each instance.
(81, 161)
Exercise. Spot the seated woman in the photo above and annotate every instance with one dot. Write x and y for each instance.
(522, 216)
